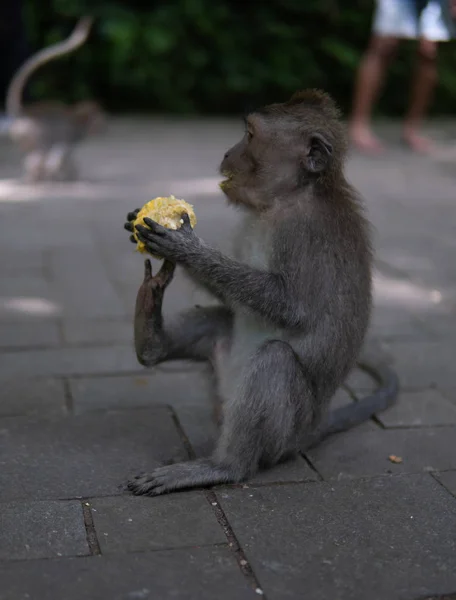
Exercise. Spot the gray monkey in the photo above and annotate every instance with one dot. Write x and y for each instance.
(295, 300)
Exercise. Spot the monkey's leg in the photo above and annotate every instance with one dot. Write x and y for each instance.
(33, 166)
(193, 335)
(59, 165)
(260, 427)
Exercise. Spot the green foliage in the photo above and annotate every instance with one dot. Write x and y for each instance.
(215, 56)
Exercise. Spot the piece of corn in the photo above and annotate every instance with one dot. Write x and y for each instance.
(165, 211)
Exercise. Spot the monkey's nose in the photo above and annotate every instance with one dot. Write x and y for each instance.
(226, 155)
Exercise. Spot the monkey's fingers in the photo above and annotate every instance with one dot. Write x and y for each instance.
(153, 226)
(187, 226)
(166, 273)
(129, 226)
(131, 216)
(133, 240)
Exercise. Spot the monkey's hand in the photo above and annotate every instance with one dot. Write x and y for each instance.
(175, 245)
(150, 293)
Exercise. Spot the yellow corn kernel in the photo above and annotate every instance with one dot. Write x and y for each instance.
(165, 211)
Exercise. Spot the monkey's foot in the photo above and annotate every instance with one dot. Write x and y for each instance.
(198, 473)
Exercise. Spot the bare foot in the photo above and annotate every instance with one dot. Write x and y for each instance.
(363, 138)
(417, 142)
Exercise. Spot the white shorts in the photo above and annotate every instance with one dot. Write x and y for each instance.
(402, 19)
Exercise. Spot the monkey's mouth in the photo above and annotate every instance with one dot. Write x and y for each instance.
(228, 179)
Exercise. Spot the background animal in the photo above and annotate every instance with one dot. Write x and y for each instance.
(47, 132)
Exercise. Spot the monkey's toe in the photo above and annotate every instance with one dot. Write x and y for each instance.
(144, 485)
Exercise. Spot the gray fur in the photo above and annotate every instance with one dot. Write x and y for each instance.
(296, 299)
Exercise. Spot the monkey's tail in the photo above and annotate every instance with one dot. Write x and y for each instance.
(355, 413)
(16, 86)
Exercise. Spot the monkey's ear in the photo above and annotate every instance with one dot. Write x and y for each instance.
(319, 153)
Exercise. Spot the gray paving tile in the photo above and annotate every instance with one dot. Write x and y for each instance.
(199, 426)
(441, 326)
(23, 335)
(360, 382)
(32, 397)
(148, 388)
(69, 361)
(98, 331)
(196, 573)
(27, 297)
(391, 322)
(386, 538)
(83, 456)
(42, 530)
(12, 263)
(415, 409)
(129, 524)
(423, 364)
(292, 470)
(448, 479)
(81, 284)
(341, 398)
(365, 450)
(43, 233)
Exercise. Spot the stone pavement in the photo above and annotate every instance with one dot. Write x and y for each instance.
(78, 415)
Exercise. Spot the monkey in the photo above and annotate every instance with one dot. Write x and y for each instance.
(294, 300)
(47, 133)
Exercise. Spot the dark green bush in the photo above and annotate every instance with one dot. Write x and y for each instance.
(216, 56)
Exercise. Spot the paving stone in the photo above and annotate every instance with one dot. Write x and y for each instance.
(448, 479)
(199, 426)
(386, 538)
(32, 397)
(364, 452)
(292, 470)
(43, 233)
(86, 455)
(42, 530)
(341, 398)
(69, 361)
(98, 331)
(25, 297)
(182, 365)
(415, 409)
(129, 524)
(145, 389)
(423, 364)
(360, 382)
(183, 574)
(441, 326)
(23, 335)
(390, 322)
(81, 284)
(19, 261)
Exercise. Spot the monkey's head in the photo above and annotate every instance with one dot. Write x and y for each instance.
(285, 147)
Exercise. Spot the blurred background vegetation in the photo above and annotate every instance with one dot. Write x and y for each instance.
(217, 56)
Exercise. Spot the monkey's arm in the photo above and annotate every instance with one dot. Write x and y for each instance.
(265, 293)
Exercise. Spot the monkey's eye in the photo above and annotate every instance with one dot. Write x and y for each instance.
(249, 136)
